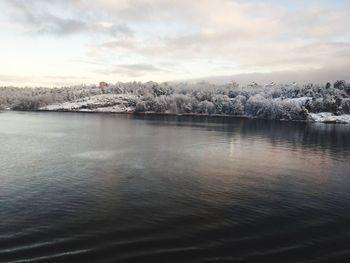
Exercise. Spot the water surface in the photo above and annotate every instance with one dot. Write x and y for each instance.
(80, 187)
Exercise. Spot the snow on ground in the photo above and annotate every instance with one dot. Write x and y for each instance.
(99, 103)
(299, 101)
(123, 103)
(329, 117)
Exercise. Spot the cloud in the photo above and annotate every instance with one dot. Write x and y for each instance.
(141, 38)
(139, 67)
(61, 18)
(65, 77)
(323, 75)
(11, 78)
(119, 43)
(122, 29)
(130, 70)
(316, 23)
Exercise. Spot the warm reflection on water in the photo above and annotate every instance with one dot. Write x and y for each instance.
(124, 188)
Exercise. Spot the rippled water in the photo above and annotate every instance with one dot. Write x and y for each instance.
(119, 188)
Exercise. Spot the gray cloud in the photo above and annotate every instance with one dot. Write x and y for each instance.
(43, 17)
(130, 70)
(119, 43)
(122, 29)
(50, 24)
(141, 10)
(322, 75)
(140, 67)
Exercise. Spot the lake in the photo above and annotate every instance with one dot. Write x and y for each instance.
(79, 187)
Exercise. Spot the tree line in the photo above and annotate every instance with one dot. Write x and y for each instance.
(262, 101)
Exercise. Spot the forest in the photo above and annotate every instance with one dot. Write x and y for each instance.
(280, 102)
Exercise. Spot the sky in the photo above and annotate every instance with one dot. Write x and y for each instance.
(73, 42)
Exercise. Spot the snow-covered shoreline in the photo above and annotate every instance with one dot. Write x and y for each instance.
(324, 117)
(328, 117)
(119, 103)
(288, 102)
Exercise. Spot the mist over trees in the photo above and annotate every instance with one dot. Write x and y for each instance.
(289, 102)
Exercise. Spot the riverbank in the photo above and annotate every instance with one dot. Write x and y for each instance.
(323, 117)
(329, 104)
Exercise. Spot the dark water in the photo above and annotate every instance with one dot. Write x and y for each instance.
(118, 188)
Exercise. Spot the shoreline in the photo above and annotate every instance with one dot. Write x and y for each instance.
(184, 115)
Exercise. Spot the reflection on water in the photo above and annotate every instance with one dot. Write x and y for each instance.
(124, 188)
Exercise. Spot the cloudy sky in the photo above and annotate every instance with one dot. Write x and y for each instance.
(64, 42)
